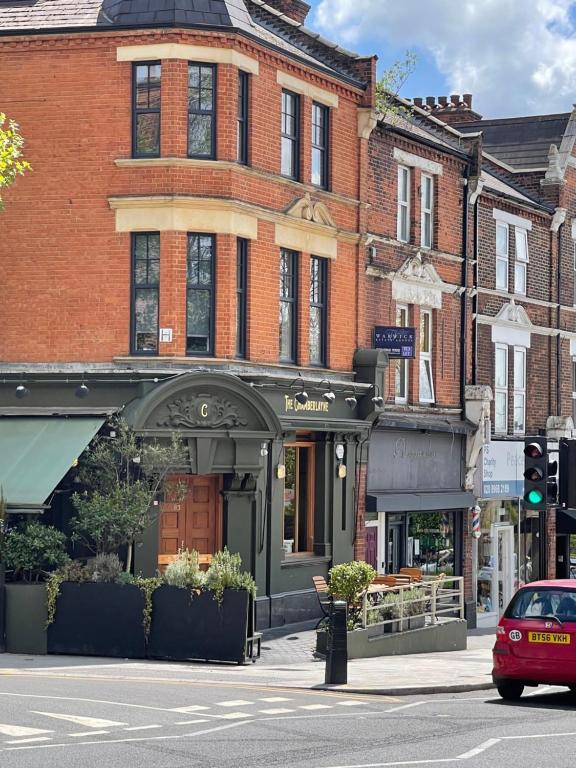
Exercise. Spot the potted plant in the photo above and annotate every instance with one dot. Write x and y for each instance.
(29, 552)
(203, 616)
(349, 582)
(414, 605)
(96, 610)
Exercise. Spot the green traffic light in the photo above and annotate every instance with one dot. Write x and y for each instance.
(534, 496)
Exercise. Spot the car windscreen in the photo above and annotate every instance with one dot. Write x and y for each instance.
(552, 603)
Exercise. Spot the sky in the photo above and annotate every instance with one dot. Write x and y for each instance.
(516, 57)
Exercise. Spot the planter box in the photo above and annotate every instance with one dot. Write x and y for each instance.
(26, 616)
(98, 620)
(186, 625)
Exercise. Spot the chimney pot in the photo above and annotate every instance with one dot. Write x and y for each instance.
(417, 101)
(442, 100)
(467, 97)
(455, 98)
(430, 101)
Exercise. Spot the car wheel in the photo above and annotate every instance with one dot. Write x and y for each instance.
(510, 690)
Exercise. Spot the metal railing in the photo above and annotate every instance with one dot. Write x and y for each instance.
(413, 605)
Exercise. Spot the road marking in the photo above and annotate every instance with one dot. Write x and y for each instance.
(398, 763)
(18, 730)
(186, 710)
(350, 703)
(540, 736)
(88, 733)
(145, 727)
(27, 741)
(315, 706)
(191, 722)
(275, 711)
(88, 722)
(237, 703)
(538, 691)
(274, 699)
(479, 749)
(407, 706)
(235, 715)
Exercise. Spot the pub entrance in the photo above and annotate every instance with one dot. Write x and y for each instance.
(191, 516)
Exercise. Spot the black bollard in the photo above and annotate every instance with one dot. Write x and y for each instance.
(337, 651)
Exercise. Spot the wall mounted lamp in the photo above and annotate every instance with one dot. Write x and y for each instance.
(21, 391)
(330, 395)
(377, 399)
(82, 391)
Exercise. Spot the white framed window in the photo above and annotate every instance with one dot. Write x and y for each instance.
(403, 213)
(401, 373)
(501, 388)
(426, 203)
(502, 255)
(426, 378)
(519, 390)
(521, 263)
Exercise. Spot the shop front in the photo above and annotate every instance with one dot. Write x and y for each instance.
(506, 551)
(267, 474)
(415, 498)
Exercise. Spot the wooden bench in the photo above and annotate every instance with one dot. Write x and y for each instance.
(164, 560)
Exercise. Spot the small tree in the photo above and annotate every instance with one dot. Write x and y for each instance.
(12, 163)
(390, 84)
(349, 582)
(123, 476)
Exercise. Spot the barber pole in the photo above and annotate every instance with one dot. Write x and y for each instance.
(476, 533)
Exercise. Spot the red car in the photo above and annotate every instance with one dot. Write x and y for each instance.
(536, 639)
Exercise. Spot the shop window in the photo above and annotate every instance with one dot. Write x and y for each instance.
(200, 295)
(298, 518)
(242, 119)
(241, 295)
(519, 390)
(401, 372)
(320, 127)
(431, 542)
(521, 263)
(403, 209)
(501, 388)
(290, 160)
(146, 109)
(318, 310)
(426, 203)
(288, 305)
(501, 256)
(202, 110)
(426, 378)
(145, 292)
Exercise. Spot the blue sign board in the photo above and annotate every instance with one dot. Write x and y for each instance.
(397, 341)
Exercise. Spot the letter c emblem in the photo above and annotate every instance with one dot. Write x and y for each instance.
(204, 410)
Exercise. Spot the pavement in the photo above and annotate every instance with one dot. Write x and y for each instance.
(288, 661)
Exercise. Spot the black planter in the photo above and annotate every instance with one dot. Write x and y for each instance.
(186, 625)
(98, 620)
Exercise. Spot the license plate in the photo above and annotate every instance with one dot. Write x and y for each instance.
(552, 638)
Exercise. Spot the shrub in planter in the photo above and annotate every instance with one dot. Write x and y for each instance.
(349, 582)
(105, 568)
(33, 550)
(185, 571)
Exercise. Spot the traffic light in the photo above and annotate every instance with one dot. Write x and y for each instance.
(540, 487)
(567, 496)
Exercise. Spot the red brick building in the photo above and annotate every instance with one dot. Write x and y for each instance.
(187, 251)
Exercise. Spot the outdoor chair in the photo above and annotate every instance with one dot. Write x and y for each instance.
(324, 598)
(414, 573)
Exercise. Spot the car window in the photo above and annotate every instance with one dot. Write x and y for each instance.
(531, 603)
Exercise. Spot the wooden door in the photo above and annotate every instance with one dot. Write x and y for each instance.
(190, 516)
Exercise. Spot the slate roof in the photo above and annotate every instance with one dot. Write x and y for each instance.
(253, 17)
(520, 142)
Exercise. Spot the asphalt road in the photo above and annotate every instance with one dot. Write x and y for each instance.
(139, 715)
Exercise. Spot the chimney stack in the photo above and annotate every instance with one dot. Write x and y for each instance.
(450, 109)
(294, 9)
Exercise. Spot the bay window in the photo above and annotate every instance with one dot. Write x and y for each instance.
(146, 109)
(200, 295)
(202, 110)
(145, 292)
(426, 377)
(501, 388)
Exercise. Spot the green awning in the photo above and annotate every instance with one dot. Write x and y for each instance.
(36, 453)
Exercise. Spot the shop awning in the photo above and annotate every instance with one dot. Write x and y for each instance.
(418, 502)
(36, 453)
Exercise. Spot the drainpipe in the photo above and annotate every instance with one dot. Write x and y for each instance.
(475, 299)
(558, 339)
(464, 296)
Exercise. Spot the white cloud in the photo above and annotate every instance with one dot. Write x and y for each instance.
(516, 57)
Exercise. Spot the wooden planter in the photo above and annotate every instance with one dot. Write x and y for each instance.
(25, 618)
(186, 625)
(98, 620)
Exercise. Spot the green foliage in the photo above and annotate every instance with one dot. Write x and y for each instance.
(414, 601)
(52, 593)
(3, 508)
(106, 521)
(349, 582)
(105, 568)
(185, 571)
(390, 84)
(123, 475)
(224, 573)
(34, 549)
(147, 587)
(12, 163)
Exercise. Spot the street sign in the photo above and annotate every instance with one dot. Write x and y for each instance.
(398, 341)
